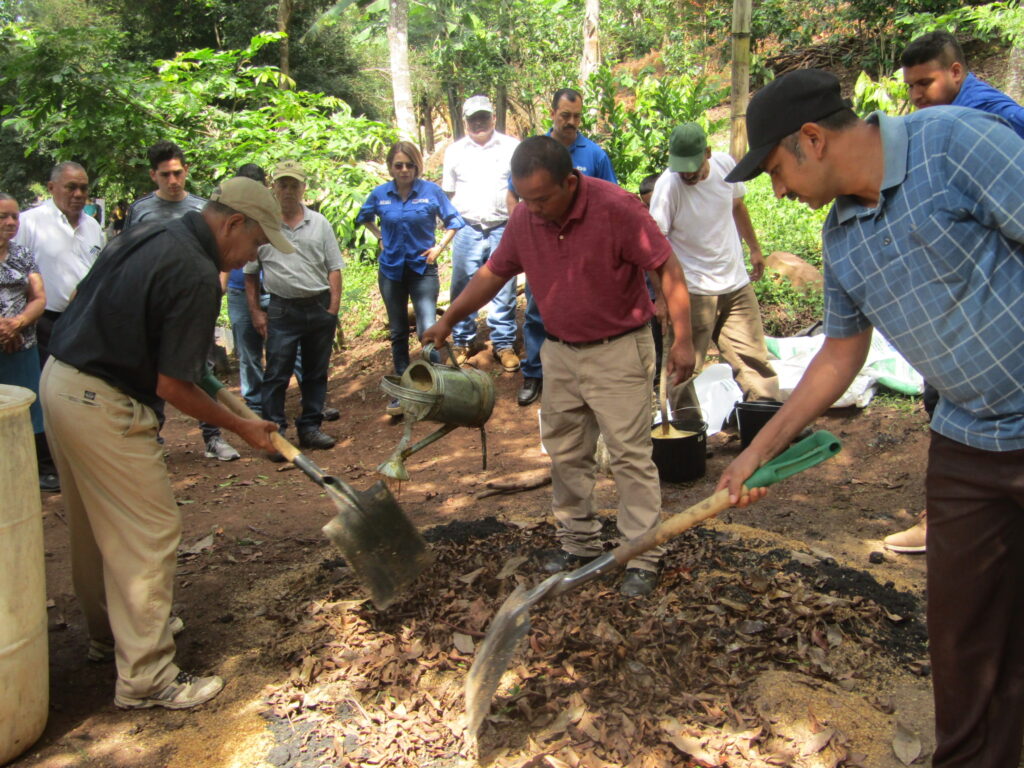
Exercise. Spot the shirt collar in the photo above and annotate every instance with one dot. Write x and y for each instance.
(194, 222)
(581, 141)
(59, 214)
(895, 145)
(392, 188)
(965, 87)
(579, 203)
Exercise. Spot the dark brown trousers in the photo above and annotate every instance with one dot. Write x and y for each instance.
(976, 603)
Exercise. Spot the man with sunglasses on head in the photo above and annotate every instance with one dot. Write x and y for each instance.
(65, 243)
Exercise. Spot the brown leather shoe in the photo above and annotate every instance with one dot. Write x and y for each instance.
(508, 358)
(912, 540)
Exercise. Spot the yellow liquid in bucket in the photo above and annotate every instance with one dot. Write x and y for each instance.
(658, 433)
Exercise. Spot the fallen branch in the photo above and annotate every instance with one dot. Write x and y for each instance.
(506, 489)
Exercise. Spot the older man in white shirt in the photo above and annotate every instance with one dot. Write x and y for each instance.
(476, 171)
(65, 242)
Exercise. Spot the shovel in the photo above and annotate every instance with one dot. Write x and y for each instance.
(383, 547)
(512, 621)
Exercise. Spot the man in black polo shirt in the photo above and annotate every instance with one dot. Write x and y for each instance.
(135, 335)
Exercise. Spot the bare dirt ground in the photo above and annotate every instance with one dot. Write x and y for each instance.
(774, 639)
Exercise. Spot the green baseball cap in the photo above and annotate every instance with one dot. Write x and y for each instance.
(687, 148)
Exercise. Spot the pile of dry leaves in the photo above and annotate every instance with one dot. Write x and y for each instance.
(602, 681)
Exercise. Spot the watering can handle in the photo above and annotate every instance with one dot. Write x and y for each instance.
(429, 347)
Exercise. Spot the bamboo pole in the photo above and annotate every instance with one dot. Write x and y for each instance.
(741, 13)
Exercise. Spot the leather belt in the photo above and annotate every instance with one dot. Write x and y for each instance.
(596, 342)
(486, 230)
(316, 298)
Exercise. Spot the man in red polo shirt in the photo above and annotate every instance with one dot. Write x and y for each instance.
(584, 245)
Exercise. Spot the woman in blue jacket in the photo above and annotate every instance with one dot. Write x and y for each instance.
(407, 209)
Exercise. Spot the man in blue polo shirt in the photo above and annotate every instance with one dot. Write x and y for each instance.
(590, 160)
(935, 69)
(926, 243)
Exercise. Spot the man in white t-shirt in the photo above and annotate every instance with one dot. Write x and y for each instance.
(704, 217)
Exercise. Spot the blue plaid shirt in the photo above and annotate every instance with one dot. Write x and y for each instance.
(938, 267)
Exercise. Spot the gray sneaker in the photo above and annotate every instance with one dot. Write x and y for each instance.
(185, 692)
(102, 652)
(219, 448)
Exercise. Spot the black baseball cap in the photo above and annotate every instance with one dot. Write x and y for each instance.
(780, 108)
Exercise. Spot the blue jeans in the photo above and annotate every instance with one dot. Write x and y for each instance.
(293, 325)
(21, 369)
(248, 347)
(470, 250)
(423, 290)
(533, 338)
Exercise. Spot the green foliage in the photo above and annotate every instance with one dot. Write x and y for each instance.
(888, 94)
(223, 109)
(785, 225)
(992, 21)
(634, 132)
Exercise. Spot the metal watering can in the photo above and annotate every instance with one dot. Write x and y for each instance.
(458, 396)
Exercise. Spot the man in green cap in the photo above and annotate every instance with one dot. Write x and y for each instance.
(704, 217)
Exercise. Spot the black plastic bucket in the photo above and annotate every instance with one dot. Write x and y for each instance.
(753, 415)
(680, 459)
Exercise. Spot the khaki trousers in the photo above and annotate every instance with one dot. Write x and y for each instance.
(603, 389)
(733, 322)
(125, 526)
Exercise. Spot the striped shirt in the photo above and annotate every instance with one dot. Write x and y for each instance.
(938, 267)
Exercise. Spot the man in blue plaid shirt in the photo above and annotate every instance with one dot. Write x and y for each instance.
(926, 243)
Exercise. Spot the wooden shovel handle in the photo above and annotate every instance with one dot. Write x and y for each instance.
(663, 384)
(672, 527)
(237, 406)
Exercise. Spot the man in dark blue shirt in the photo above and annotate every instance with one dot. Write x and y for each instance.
(935, 69)
(590, 160)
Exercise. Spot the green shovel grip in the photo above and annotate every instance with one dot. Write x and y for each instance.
(210, 384)
(811, 450)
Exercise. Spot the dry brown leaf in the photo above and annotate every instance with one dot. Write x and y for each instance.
(510, 566)
(469, 578)
(906, 744)
(463, 643)
(817, 742)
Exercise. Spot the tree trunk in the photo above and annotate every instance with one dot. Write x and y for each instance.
(500, 107)
(1015, 73)
(455, 113)
(428, 125)
(398, 47)
(741, 12)
(284, 15)
(591, 41)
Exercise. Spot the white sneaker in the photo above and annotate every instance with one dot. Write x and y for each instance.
(185, 692)
(219, 448)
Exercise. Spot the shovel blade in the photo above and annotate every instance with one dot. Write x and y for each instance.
(510, 625)
(382, 546)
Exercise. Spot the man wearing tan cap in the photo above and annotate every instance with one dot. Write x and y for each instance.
(135, 335)
(305, 293)
(704, 218)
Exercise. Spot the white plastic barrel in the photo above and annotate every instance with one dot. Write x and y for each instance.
(24, 663)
